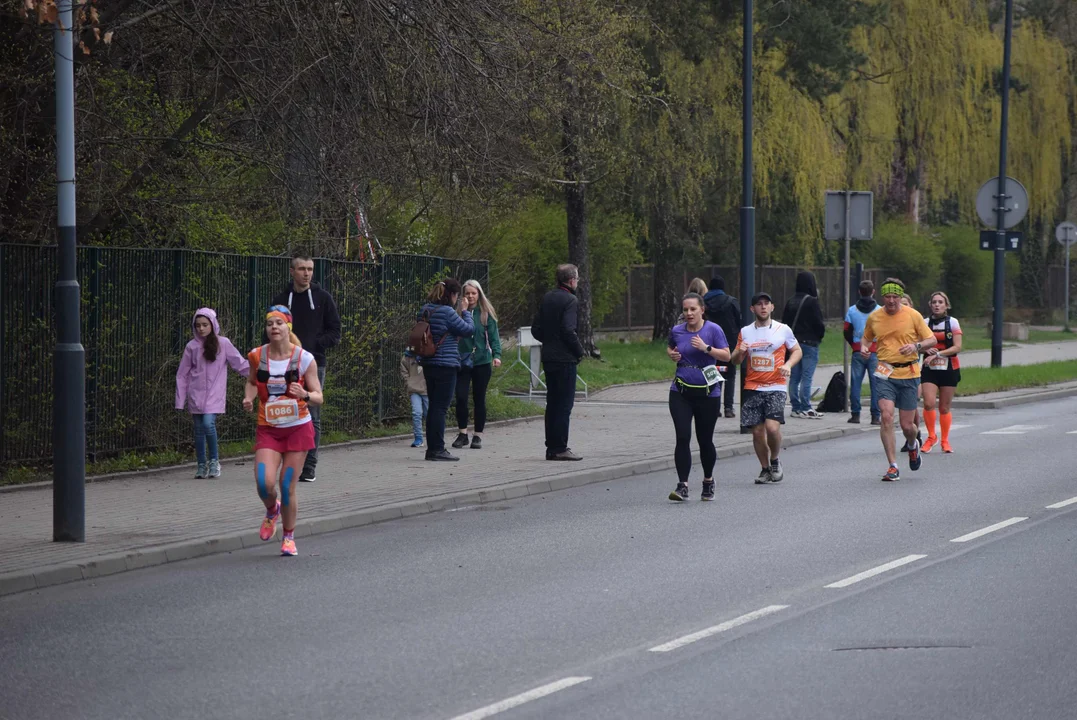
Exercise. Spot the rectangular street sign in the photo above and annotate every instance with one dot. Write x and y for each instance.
(860, 214)
(1013, 240)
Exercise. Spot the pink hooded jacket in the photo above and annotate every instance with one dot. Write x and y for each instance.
(202, 386)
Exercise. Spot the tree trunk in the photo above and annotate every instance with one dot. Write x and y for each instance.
(576, 212)
(668, 279)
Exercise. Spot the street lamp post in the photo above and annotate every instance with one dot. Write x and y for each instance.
(747, 211)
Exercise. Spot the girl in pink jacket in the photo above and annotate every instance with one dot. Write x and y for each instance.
(202, 383)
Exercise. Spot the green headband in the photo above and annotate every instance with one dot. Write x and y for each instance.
(892, 289)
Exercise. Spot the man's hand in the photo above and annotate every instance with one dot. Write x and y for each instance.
(785, 371)
(909, 349)
(865, 352)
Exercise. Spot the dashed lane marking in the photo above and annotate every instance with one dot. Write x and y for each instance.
(1062, 504)
(715, 629)
(1014, 430)
(875, 571)
(525, 697)
(989, 529)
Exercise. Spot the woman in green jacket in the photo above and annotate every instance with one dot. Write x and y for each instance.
(479, 355)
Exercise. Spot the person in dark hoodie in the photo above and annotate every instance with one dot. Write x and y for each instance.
(724, 311)
(855, 319)
(804, 314)
(316, 322)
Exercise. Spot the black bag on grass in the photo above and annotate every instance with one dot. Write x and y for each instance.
(834, 397)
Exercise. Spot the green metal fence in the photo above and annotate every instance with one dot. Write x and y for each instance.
(137, 307)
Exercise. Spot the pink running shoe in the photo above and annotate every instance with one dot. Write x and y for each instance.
(269, 524)
(288, 547)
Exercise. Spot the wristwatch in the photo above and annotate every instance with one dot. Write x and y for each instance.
(709, 348)
(307, 398)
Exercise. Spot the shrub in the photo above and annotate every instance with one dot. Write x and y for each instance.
(914, 257)
(968, 272)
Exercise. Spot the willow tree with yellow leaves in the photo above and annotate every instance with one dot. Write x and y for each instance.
(922, 124)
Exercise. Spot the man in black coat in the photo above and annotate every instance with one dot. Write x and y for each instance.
(555, 328)
(805, 316)
(316, 322)
(724, 311)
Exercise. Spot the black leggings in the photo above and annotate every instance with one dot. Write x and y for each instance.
(683, 408)
(478, 378)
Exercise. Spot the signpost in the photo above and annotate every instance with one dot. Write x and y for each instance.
(1066, 233)
(849, 216)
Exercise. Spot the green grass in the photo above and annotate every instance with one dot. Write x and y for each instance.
(621, 363)
(498, 406)
(974, 337)
(975, 381)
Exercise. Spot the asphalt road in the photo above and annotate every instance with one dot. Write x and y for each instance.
(466, 612)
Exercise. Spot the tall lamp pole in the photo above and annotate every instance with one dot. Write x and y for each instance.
(69, 360)
(747, 211)
(1000, 237)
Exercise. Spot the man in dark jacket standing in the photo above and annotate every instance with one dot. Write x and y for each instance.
(555, 328)
(724, 311)
(316, 323)
(804, 314)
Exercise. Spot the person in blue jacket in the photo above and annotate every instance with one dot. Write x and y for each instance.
(449, 321)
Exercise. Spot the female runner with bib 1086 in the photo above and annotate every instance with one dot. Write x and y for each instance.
(284, 378)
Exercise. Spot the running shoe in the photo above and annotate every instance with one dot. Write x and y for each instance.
(417, 443)
(914, 457)
(813, 415)
(680, 494)
(460, 441)
(928, 444)
(269, 524)
(288, 547)
(708, 491)
(776, 472)
(214, 468)
(476, 443)
(892, 474)
(798, 414)
(200, 472)
(764, 477)
(946, 446)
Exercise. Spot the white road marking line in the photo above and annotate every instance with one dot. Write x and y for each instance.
(1062, 504)
(989, 529)
(959, 426)
(1014, 430)
(1072, 432)
(715, 629)
(875, 571)
(522, 698)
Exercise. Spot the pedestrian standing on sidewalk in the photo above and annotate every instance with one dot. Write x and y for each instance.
(697, 346)
(479, 355)
(444, 310)
(724, 311)
(317, 325)
(942, 371)
(901, 335)
(805, 316)
(555, 327)
(415, 383)
(202, 385)
(284, 380)
(855, 318)
(772, 353)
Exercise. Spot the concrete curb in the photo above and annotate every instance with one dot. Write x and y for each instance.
(972, 403)
(38, 578)
(238, 458)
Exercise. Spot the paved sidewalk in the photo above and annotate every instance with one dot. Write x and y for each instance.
(141, 512)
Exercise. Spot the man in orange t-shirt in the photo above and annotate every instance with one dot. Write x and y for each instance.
(900, 334)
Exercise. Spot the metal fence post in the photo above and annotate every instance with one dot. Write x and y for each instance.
(180, 336)
(252, 300)
(95, 343)
(3, 356)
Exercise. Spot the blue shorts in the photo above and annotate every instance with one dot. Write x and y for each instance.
(903, 393)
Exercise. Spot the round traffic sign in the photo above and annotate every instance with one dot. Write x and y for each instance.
(1066, 233)
(1016, 203)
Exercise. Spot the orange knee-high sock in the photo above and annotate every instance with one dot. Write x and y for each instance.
(945, 419)
(929, 421)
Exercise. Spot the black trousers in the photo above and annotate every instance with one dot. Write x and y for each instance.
(730, 383)
(478, 379)
(704, 410)
(440, 384)
(560, 397)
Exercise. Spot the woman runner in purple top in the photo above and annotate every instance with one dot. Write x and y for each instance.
(697, 346)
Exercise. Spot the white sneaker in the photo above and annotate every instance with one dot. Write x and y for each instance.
(812, 414)
(798, 414)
